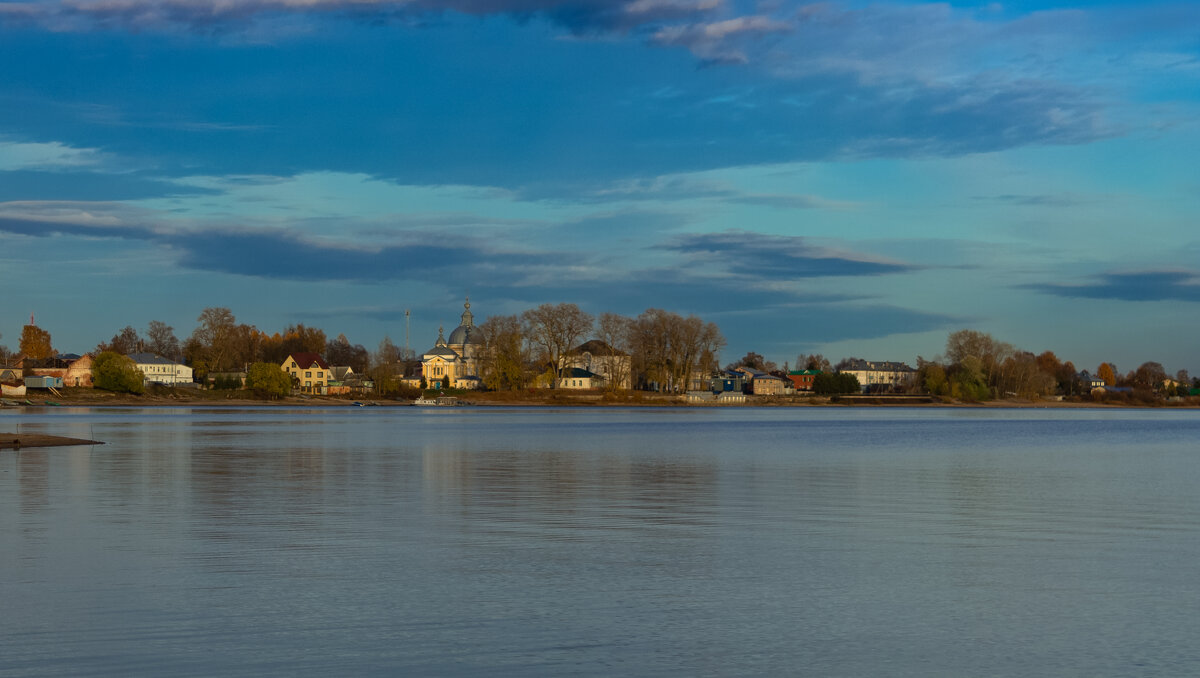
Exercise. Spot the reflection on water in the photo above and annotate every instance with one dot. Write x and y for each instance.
(395, 541)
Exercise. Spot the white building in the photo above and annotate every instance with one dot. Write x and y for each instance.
(879, 375)
(159, 370)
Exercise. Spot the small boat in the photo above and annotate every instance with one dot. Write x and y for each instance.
(51, 402)
(440, 401)
(357, 404)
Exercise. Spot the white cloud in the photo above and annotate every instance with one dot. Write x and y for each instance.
(52, 155)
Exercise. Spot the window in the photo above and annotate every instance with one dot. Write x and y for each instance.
(308, 374)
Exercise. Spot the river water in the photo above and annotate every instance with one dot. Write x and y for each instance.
(602, 542)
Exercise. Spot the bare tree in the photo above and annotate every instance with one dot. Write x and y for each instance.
(385, 367)
(161, 340)
(669, 349)
(556, 329)
(124, 342)
(991, 353)
(210, 344)
(813, 361)
(505, 353)
(613, 330)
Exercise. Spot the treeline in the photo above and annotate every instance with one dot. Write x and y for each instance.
(663, 349)
(977, 366)
(221, 344)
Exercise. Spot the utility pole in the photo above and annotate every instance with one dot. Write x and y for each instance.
(407, 313)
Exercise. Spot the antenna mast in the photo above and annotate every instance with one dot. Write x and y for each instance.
(406, 324)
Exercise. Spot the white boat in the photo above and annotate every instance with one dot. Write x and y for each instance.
(440, 401)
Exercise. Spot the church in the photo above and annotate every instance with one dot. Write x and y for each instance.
(454, 363)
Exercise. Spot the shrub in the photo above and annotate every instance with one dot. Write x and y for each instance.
(267, 380)
(115, 372)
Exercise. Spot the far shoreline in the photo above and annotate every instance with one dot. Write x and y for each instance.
(164, 398)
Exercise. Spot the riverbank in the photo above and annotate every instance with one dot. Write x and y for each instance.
(169, 397)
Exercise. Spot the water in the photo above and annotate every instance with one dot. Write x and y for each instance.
(602, 542)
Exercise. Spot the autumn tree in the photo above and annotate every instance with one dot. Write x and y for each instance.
(931, 377)
(245, 346)
(752, 360)
(161, 340)
(556, 329)
(506, 352)
(210, 348)
(1107, 372)
(340, 352)
(385, 368)
(295, 339)
(124, 342)
(1068, 378)
(1148, 376)
(829, 383)
(813, 361)
(989, 353)
(1022, 374)
(35, 343)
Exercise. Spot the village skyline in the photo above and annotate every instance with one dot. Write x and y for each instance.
(1043, 372)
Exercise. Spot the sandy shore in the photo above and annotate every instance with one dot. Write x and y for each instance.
(16, 441)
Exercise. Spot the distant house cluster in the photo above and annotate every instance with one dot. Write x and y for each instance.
(879, 377)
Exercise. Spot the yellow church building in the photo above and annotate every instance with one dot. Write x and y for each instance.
(454, 362)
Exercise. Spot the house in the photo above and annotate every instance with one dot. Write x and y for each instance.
(70, 368)
(612, 366)
(345, 381)
(310, 373)
(576, 377)
(802, 380)
(1088, 381)
(876, 376)
(767, 384)
(728, 382)
(43, 381)
(160, 370)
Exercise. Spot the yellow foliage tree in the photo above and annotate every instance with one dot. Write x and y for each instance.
(35, 343)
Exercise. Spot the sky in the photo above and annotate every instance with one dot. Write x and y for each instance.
(848, 178)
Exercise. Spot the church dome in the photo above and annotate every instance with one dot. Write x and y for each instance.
(466, 333)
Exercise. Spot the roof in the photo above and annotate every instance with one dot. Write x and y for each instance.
(597, 347)
(876, 366)
(150, 359)
(305, 360)
(442, 351)
(764, 375)
(800, 373)
(577, 373)
(466, 332)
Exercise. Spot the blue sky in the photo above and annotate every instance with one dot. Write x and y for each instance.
(848, 178)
